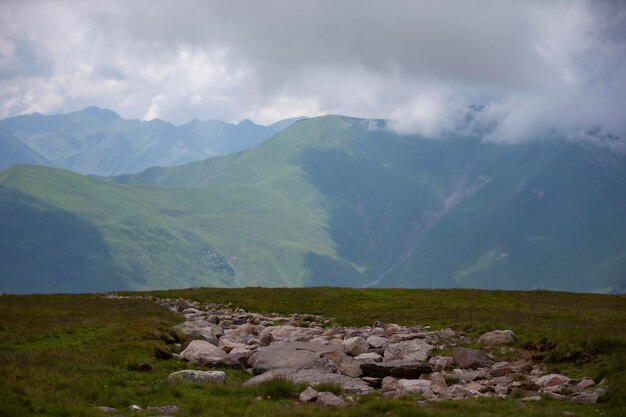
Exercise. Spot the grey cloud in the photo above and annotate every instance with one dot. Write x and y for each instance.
(534, 65)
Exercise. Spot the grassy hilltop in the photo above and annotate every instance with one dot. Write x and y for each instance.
(61, 355)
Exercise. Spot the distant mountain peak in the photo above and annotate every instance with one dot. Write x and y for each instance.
(99, 113)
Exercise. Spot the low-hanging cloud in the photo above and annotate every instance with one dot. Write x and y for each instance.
(533, 66)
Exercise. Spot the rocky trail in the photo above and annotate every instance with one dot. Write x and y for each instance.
(390, 359)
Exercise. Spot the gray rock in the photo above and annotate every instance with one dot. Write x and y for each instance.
(588, 397)
(415, 386)
(105, 409)
(166, 409)
(585, 383)
(308, 395)
(471, 358)
(346, 365)
(551, 380)
(416, 350)
(355, 346)
(218, 377)
(440, 362)
(377, 342)
(203, 353)
(288, 355)
(396, 369)
(203, 333)
(497, 337)
(329, 399)
(369, 357)
(313, 377)
(188, 326)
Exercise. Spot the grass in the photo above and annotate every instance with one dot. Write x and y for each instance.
(61, 355)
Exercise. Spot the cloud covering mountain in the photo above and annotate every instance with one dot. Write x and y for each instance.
(537, 68)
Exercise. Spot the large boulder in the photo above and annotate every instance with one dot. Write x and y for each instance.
(200, 352)
(288, 355)
(416, 350)
(218, 377)
(312, 377)
(396, 369)
(471, 358)
(497, 337)
(377, 342)
(415, 386)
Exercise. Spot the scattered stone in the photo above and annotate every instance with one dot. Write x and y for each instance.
(355, 346)
(416, 350)
(471, 358)
(105, 409)
(585, 383)
(551, 380)
(369, 357)
(497, 337)
(377, 342)
(397, 369)
(202, 353)
(308, 395)
(219, 377)
(329, 399)
(166, 409)
(313, 377)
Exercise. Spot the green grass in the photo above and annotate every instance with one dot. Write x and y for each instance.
(61, 355)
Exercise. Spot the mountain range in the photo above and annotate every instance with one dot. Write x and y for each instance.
(332, 201)
(99, 142)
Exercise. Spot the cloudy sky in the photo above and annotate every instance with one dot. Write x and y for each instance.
(536, 67)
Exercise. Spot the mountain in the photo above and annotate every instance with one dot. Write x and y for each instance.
(13, 152)
(98, 141)
(328, 201)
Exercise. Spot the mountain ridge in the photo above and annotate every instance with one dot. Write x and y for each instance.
(332, 201)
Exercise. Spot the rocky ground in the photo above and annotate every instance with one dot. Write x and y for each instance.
(387, 358)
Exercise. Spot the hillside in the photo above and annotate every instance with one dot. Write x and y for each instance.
(13, 152)
(329, 201)
(98, 141)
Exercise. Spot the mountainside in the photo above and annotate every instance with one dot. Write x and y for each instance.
(98, 141)
(13, 152)
(328, 201)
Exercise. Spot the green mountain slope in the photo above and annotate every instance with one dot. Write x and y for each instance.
(342, 201)
(13, 152)
(98, 141)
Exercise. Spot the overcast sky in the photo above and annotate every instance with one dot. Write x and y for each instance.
(537, 67)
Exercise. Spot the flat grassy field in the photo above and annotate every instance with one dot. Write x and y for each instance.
(62, 355)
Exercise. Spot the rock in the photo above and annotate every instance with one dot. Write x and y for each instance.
(200, 352)
(502, 369)
(585, 383)
(227, 344)
(551, 380)
(402, 337)
(240, 355)
(377, 342)
(189, 326)
(531, 398)
(288, 355)
(416, 350)
(329, 399)
(471, 358)
(441, 362)
(437, 383)
(588, 397)
(346, 365)
(105, 409)
(203, 333)
(312, 377)
(135, 407)
(497, 337)
(469, 376)
(397, 369)
(166, 409)
(308, 395)
(325, 364)
(219, 377)
(569, 414)
(458, 391)
(369, 357)
(355, 346)
(372, 382)
(415, 386)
